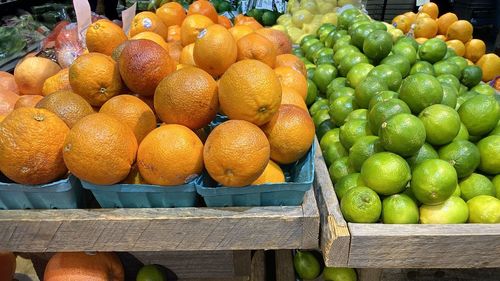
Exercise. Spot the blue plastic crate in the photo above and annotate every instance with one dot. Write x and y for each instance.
(299, 179)
(143, 195)
(62, 194)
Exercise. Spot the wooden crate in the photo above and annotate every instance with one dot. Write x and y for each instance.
(180, 229)
(359, 245)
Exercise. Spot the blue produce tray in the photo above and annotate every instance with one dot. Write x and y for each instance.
(143, 195)
(299, 178)
(62, 194)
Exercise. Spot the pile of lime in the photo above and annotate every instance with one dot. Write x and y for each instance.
(263, 16)
(308, 266)
(409, 132)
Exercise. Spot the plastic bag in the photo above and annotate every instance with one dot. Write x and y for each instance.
(68, 46)
(11, 41)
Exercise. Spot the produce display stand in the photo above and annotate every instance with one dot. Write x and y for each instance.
(378, 246)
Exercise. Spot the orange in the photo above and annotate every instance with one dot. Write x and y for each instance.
(236, 153)
(445, 21)
(222, 20)
(256, 46)
(457, 46)
(181, 66)
(95, 77)
(147, 21)
(191, 26)
(171, 13)
(425, 27)
(461, 30)
(402, 23)
(203, 8)
(175, 50)
(250, 90)
(27, 101)
(290, 96)
(187, 55)
(31, 73)
(174, 33)
(411, 16)
(143, 64)
(215, 50)
(8, 100)
(272, 174)
(474, 49)
(67, 105)
(31, 143)
(431, 9)
(187, 97)
(291, 61)
(422, 15)
(8, 82)
(170, 155)
(490, 64)
(80, 266)
(442, 37)
(100, 149)
(57, 82)
(148, 35)
(292, 79)
(280, 40)
(8, 268)
(238, 31)
(421, 40)
(290, 133)
(103, 36)
(248, 21)
(132, 112)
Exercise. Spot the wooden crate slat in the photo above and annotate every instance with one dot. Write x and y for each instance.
(286, 227)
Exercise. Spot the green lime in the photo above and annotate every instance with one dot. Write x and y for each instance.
(329, 137)
(410, 40)
(480, 114)
(433, 181)
(358, 114)
(306, 40)
(312, 92)
(399, 209)
(424, 153)
(475, 185)
(377, 45)
(353, 130)
(342, 92)
(420, 91)
(339, 274)
(333, 152)
(471, 76)
(324, 127)
(410, 194)
(484, 89)
(457, 191)
(257, 14)
(346, 18)
(320, 116)
(386, 173)
(359, 34)
(496, 131)
(445, 67)
(321, 54)
(323, 75)
(216, 4)
(325, 59)
(382, 96)
(358, 73)
(340, 168)
(347, 183)
(310, 72)
(336, 84)
(342, 52)
(462, 155)
(398, 61)
(449, 96)
(378, 25)
(324, 30)
(422, 67)
(306, 265)
(225, 6)
(298, 52)
(151, 272)
(489, 149)
(484, 209)
(344, 40)
(450, 80)
(463, 134)
(450, 53)
(459, 61)
(462, 90)
(313, 49)
(367, 89)
(361, 205)
(464, 97)
(453, 210)
(340, 109)
(407, 50)
(349, 61)
(384, 110)
(403, 134)
(317, 106)
(333, 36)
(357, 24)
(432, 50)
(362, 149)
(389, 74)
(496, 183)
(441, 122)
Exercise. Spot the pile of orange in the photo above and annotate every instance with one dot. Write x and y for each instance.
(98, 119)
(456, 33)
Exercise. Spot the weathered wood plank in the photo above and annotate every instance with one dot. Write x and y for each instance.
(424, 246)
(369, 274)
(258, 266)
(284, 265)
(285, 227)
(483, 274)
(334, 233)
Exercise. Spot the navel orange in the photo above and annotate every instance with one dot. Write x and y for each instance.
(67, 105)
(457, 46)
(238, 31)
(191, 26)
(8, 82)
(474, 49)
(445, 21)
(280, 40)
(290, 78)
(426, 28)
(27, 101)
(103, 36)
(461, 30)
(291, 96)
(257, 47)
(291, 61)
(8, 100)
(215, 50)
(203, 8)
(148, 35)
(431, 9)
(490, 64)
(171, 13)
(31, 73)
(187, 57)
(147, 21)
(57, 82)
(272, 174)
(222, 20)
